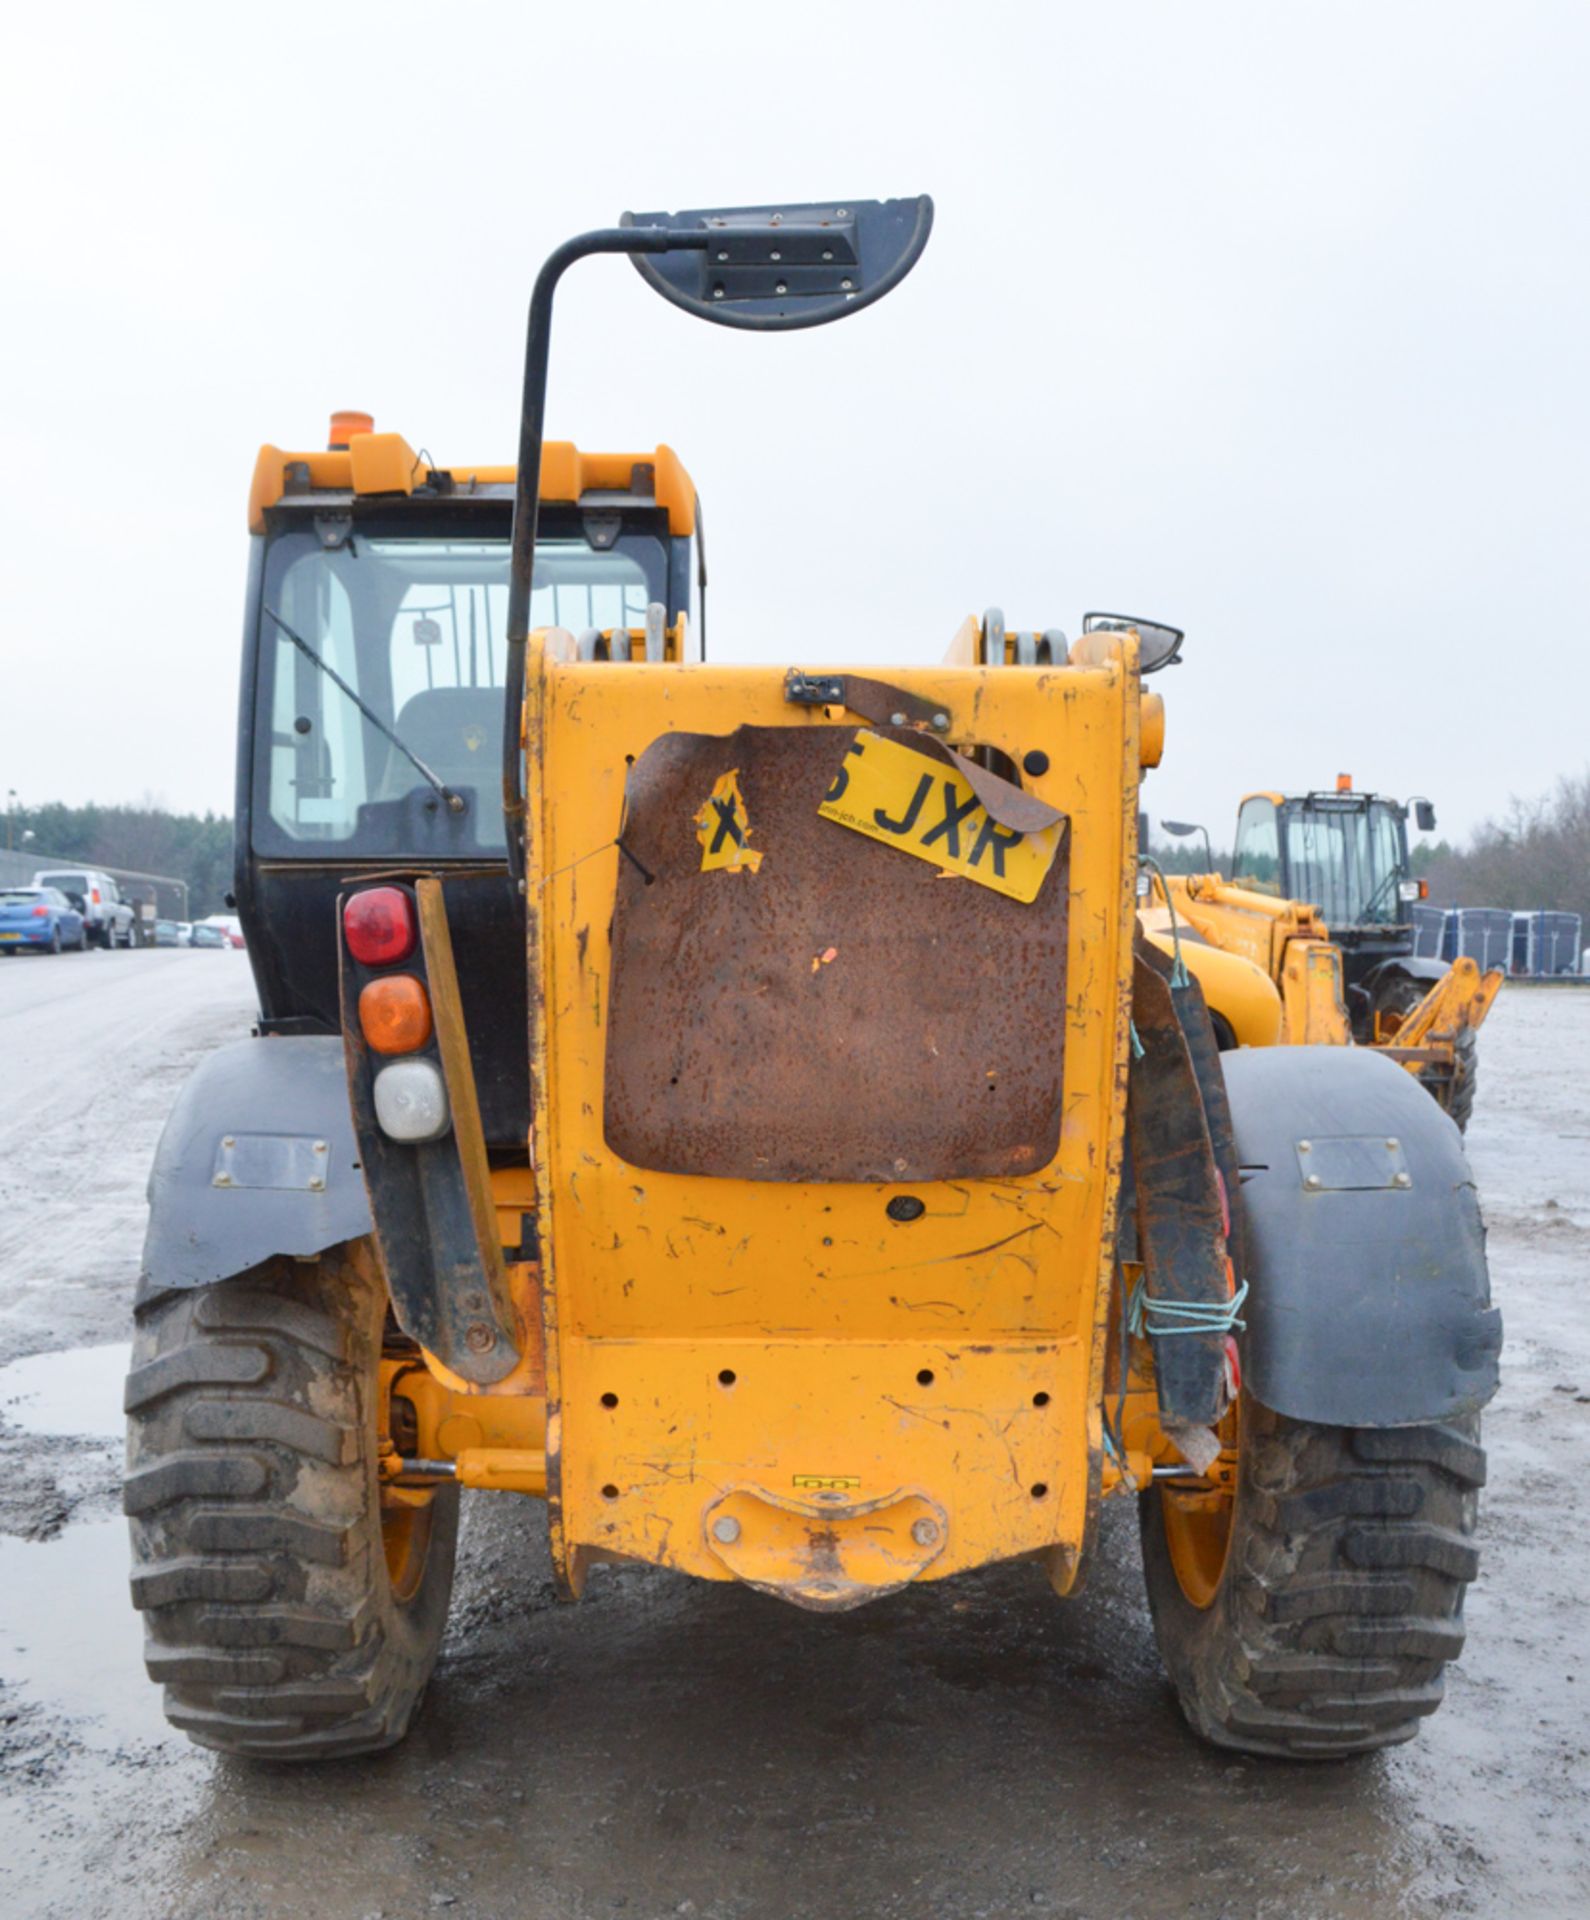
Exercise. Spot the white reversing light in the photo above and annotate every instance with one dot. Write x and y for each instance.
(411, 1101)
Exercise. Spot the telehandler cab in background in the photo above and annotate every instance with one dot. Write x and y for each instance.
(1320, 898)
(764, 1135)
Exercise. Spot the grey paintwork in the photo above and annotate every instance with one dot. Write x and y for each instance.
(233, 1179)
(1415, 966)
(1369, 1305)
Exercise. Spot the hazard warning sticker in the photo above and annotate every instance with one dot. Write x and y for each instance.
(724, 828)
(892, 793)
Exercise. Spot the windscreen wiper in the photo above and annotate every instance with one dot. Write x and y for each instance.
(455, 801)
(1374, 899)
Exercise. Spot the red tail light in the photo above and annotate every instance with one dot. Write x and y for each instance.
(379, 927)
(41, 913)
(94, 895)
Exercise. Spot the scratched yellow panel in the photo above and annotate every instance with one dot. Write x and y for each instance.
(651, 1439)
(661, 1266)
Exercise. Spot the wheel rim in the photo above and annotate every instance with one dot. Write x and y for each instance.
(406, 1537)
(1197, 1522)
(406, 1514)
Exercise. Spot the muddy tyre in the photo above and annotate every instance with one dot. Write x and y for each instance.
(288, 1611)
(1465, 1072)
(1339, 1600)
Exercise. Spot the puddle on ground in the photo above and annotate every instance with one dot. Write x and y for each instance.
(77, 1393)
(70, 1640)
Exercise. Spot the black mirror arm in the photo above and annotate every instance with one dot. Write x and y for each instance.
(527, 491)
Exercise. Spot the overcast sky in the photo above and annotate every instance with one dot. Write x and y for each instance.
(1270, 320)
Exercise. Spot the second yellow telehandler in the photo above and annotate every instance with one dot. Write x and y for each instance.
(754, 1125)
(1320, 900)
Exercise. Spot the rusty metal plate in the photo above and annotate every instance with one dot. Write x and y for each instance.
(835, 1011)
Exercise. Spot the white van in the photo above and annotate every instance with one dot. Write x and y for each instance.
(106, 916)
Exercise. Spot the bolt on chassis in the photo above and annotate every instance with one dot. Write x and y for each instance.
(765, 1134)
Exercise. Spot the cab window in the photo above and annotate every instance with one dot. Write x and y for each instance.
(1257, 860)
(416, 627)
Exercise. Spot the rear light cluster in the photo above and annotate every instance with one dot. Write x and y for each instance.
(395, 1017)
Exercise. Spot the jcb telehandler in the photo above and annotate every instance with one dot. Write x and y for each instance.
(762, 1134)
(1321, 898)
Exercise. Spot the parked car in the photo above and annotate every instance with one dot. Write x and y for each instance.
(227, 925)
(206, 935)
(168, 933)
(184, 932)
(109, 917)
(40, 918)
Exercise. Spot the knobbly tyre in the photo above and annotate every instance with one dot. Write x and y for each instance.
(763, 1133)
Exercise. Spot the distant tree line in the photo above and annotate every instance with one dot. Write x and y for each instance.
(186, 846)
(1536, 855)
(1187, 856)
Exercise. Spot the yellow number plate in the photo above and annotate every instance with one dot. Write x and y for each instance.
(922, 806)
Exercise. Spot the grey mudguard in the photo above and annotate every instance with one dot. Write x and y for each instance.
(1369, 1301)
(235, 1175)
(1413, 965)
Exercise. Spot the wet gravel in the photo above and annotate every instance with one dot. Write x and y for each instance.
(667, 1747)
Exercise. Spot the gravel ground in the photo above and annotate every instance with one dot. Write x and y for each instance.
(670, 1747)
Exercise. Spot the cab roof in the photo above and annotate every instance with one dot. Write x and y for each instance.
(368, 464)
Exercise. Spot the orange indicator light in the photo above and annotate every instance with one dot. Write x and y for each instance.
(395, 1013)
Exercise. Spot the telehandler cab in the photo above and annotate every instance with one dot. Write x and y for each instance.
(764, 1135)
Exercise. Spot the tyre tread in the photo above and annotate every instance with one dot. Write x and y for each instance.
(255, 1516)
(1344, 1590)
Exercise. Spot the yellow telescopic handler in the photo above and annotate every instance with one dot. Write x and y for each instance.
(1321, 902)
(738, 1107)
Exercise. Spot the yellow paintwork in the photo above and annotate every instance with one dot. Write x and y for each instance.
(384, 463)
(1242, 993)
(1285, 938)
(716, 1336)
(1313, 996)
(1259, 926)
(1153, 729)
(884, 777)
(1460, 998)
(726, 851)
(1290, 941)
